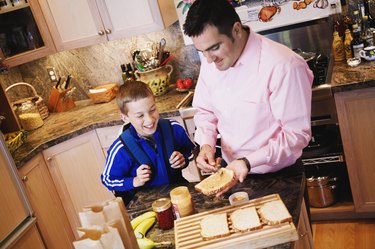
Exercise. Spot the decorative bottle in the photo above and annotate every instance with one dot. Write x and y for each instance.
(338, 47)
(366, 32)
(371, 18)
(357, 43)
(347, 44)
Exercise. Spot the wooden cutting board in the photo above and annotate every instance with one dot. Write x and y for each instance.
(187, 230)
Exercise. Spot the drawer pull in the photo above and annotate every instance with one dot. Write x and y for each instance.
(101, 32)
(24, 178)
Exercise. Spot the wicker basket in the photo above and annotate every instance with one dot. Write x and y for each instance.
(42, 107)
(14, 140)
(105, 93)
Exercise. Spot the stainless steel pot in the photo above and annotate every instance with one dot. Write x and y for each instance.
(322, 191)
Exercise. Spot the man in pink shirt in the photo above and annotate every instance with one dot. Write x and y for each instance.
(254, 92)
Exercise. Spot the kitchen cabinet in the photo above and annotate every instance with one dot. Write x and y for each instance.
(75, 166)
(356, 115)
(107, 136)
(24, 35)
(305, 239)
(30, 238)
(51, 217)
(78, 23)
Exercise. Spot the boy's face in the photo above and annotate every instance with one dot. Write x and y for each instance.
(143, 115)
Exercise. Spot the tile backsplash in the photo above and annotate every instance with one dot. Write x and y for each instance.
(100, 64)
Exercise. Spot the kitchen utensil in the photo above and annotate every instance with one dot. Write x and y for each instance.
(162, 44)
(42, 107)
(158, 78)
(166, 60)
(322, 191)
(68, 79)
(187, 230)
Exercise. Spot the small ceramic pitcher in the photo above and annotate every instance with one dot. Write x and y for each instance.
(157, 79)
(368, 53)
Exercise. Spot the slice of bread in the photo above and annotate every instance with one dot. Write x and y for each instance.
(214, 226)
(216, 182)
(245, 219)
(274, 213)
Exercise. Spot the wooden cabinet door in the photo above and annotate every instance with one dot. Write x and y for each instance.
(78, 23)
(31, 17)
(30, 238)
(127, 18)
(107, 135)
(73, 23)
(75, 166)
(356, 114)
(51, 218)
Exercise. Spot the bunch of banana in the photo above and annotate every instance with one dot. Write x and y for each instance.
(149, 244)
(141, 225)
(137, 220)
(141, 230)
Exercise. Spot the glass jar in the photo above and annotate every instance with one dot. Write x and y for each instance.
(164, 213)
(182, 202)
(29, 116)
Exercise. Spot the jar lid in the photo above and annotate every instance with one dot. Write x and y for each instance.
(161, 204)
(179, 192)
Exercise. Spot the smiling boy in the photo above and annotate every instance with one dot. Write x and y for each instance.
(145, 136)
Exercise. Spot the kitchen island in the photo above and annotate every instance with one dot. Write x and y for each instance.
(289, 185)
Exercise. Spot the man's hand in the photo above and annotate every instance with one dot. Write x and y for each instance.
(206, 159)
(177, 160)
(143, 175)
(240, 172)
(240, 169)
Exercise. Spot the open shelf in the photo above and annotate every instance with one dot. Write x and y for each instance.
(339, 211)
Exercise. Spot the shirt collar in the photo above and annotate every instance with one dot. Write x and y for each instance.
(251, 53)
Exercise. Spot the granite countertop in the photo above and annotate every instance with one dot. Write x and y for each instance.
(290, 187)
(86, 116)
(346, 78)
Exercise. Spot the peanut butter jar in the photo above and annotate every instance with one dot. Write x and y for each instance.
(182, 202)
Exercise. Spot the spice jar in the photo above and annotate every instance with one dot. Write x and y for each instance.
(29, 116)
(182, 202)
(164, 213)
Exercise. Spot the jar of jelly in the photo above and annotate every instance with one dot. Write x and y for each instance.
(182, 202)
(164, 213)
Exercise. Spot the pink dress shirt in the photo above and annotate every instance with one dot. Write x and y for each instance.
(261, 106)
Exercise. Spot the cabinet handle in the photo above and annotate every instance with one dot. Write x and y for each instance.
(24, 178)
(108, 31)
(101, 32)
(49, 158)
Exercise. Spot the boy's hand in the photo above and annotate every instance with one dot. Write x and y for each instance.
(143, 175)
(177, 160)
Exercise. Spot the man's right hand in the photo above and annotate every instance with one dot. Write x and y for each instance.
(143, 175)
(206, 159)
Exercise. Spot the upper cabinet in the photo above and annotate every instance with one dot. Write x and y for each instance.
(24, 34)
(78, 23)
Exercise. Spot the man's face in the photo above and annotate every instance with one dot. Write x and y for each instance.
(218, 48)
(143, 115)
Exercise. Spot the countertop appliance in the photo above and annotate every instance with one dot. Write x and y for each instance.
(16, 214)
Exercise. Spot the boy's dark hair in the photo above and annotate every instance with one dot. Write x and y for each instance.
(132, 91)
(219, 13)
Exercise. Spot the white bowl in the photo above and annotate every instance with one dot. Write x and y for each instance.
(238, 198)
